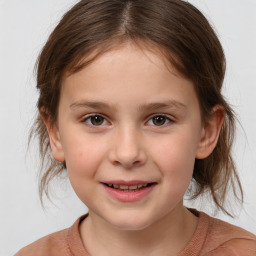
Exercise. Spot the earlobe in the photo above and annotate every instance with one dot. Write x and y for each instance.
(210, 132)
(54, 139)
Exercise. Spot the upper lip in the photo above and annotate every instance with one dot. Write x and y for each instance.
(127, 183)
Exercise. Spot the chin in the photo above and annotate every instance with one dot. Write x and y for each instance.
(131, 222)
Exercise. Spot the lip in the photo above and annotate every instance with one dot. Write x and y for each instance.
(131, 196)
(127, 183)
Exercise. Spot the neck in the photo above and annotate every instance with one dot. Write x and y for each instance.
(168, 236)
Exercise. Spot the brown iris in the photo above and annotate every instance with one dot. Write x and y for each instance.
(97, 120)
(159, 120)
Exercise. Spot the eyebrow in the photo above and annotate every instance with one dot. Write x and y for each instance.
(163, 105)
(90, 104)
(144, 107)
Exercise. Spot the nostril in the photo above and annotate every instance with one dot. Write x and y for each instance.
(137, 163)
(127, 164)
(127, 157)
(116, 163)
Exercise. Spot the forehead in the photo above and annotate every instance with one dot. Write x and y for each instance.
(135, 53)
(111, 48)
(128, 76)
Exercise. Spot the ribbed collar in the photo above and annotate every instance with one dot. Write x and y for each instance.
(193, 248)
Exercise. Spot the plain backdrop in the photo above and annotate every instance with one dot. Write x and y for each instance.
(24, 28)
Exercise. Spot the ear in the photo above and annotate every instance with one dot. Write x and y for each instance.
(210, 132)
(54, 138)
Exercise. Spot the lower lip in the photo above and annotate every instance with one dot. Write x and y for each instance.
(129, 196)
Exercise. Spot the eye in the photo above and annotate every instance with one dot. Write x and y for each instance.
(95, 120)
(159, 120)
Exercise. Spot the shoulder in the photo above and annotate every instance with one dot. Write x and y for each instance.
(53, 244)
(226, 239)
(62, 243)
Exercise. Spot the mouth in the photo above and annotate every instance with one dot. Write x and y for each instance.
(129, 188)
(129, 191)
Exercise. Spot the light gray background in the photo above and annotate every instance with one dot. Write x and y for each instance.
(24, 27)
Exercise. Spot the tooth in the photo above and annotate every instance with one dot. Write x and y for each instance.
(116, 186)
(133, 187)
(123, 187)
(144, 185)
(110, 185)
(139, 186)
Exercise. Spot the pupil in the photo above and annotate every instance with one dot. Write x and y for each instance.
(97, 120)
(159, 120)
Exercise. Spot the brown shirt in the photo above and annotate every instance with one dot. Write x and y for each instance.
(212, 237)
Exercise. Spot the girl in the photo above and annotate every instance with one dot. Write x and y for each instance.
(130, 105)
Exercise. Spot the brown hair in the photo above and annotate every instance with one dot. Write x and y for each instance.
(186, 39)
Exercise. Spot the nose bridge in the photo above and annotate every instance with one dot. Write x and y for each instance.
(128, 147)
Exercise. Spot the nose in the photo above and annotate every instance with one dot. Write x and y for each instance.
(127, 149)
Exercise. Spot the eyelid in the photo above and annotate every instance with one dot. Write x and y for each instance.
(87, 116)
(167, 116)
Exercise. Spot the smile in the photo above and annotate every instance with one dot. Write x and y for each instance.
(129, 192)
(126, 188)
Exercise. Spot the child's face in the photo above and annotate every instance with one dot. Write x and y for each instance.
(127, 120)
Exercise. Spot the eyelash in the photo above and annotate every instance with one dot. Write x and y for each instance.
(88, 120)
(166, 119)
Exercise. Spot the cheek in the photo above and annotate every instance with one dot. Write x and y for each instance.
(83, 157)
(175, 157)
(176, 165)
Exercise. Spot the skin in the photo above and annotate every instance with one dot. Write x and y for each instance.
(127, 87)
